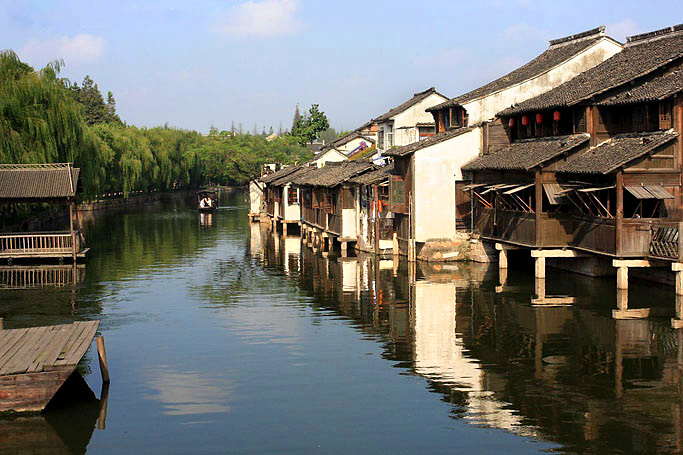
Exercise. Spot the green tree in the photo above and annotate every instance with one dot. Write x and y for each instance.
(310, 125)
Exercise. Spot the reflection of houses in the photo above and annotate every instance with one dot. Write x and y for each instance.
(593, 164)
(41, 183)
(408, 122)
(440, 355)
(424, 189)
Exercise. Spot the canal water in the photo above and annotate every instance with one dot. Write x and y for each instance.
(223, 337)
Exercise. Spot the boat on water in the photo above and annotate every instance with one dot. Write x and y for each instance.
(207, 200)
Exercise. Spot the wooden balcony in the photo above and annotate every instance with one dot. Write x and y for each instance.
(40, 245)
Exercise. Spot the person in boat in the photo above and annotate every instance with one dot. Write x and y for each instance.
(202, 203)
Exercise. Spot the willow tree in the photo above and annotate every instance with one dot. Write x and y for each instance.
(39, 119)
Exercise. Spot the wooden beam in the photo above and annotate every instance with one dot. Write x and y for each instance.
(633, 263)
(557, 254)
(538, 186)
(620, 214)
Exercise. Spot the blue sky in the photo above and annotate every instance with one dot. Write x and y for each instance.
(194, 64)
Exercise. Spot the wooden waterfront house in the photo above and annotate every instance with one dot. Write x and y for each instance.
(288, 209)
(429, 202)
(41, 183)
(328, 201)
(375, 220)
(401, 125)
(594, 164)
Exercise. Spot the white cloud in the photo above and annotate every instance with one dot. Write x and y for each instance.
(81, 48)
(262, 19)
(621, 30)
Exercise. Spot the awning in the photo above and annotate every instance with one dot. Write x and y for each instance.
(518, 188)
(598, 188)
(493, 187)
(471, 186)
(648, 192)
(556, 192)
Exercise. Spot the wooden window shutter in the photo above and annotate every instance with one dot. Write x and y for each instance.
(397, 195)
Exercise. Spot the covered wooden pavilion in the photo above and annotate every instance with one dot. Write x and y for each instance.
(53, 183)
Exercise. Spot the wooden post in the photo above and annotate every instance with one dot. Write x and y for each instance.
(680, 241)
(538, 186)
(503, 259)
(2, 323)
(622, 278)
(539, 288)
(102, 354)
(395, 246)
(620, 214)
(71, 230)
(539, 267)
(622, 299)
(375, 191)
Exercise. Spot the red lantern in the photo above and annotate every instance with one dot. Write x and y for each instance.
(556, 116)
(511, 122)
(539, 118)
(525, 120)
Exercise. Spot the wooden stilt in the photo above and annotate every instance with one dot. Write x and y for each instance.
(102, 354)
(622, 278)
(2, 324)
(539, 271)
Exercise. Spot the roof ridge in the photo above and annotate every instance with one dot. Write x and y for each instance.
(651, 36)
(429, 90)
(35, 166)
(597, 31)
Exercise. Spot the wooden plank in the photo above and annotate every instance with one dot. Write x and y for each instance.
(24, 357)
(49, 339)
(17, 348)
(8, 340)
(58, 345)
(78, 348)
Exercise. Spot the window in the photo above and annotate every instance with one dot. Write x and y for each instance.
(380, 140)
(390, 138)
(665, 115)
(397, 195)
(293, 196)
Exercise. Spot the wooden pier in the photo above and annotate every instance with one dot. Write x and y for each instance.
(35, 362)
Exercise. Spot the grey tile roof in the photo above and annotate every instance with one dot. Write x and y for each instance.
(641, 55)
(372, 177)
(280, 173)
(408, 104)
(657, 88)
(432, 140)
(616, 152)
(560, 51)
(38, 181)
(289, 178)
(527, 154)
(333, 174)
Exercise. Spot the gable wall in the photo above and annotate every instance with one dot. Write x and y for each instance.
(485, 108)
(436, 170)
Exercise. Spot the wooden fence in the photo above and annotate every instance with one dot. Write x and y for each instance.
(42, 244)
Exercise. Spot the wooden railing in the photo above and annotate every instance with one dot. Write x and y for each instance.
(36, 244)
(665, 240)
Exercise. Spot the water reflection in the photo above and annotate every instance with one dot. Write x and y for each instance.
(564, 372)
(188, 393)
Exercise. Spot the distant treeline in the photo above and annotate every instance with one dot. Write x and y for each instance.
(45, 118)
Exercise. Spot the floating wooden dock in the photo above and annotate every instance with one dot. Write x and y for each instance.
(35, 362)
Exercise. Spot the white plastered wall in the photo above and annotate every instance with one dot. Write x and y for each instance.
(486, 108)
(330, 156)
(436, 170)
(410, 118)
(292, 212)
(348, 223)
(255, 197)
